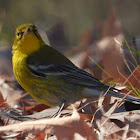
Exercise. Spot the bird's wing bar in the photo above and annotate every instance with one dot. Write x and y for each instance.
(68, 73)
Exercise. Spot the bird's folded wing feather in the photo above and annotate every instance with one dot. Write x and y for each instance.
(68, 73)
(59, 66)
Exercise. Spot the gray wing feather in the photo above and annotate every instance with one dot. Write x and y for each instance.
(68, 73)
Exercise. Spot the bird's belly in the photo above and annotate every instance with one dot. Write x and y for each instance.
(50, 91)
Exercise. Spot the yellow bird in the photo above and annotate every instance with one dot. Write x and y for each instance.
(48, 76)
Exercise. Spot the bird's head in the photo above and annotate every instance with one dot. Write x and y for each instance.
(27, 39)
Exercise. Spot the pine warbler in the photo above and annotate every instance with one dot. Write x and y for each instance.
(48, 76)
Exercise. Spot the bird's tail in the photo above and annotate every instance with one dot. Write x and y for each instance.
(91, 93)
(120, 95)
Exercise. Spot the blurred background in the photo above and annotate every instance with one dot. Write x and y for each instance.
(94, 34)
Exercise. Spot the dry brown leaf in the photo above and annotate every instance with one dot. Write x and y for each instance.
(85, 116)
(129, 118)
(112, 26)
(108, 128)
(10, 95)
(2, 101)
(39, 136)
(60, 127)
(111, 55)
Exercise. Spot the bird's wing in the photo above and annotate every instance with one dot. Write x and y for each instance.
(68, 73)
(49, 62)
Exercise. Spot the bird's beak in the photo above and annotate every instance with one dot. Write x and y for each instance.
(28, 31)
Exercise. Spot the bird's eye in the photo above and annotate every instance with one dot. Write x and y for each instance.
(19, 35)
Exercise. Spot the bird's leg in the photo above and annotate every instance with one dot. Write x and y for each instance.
(59, 110)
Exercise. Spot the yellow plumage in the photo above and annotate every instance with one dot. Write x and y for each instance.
(48, 75)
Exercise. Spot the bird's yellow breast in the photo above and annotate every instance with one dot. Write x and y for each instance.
(22, 73)
(39, 88)
(30, 45)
